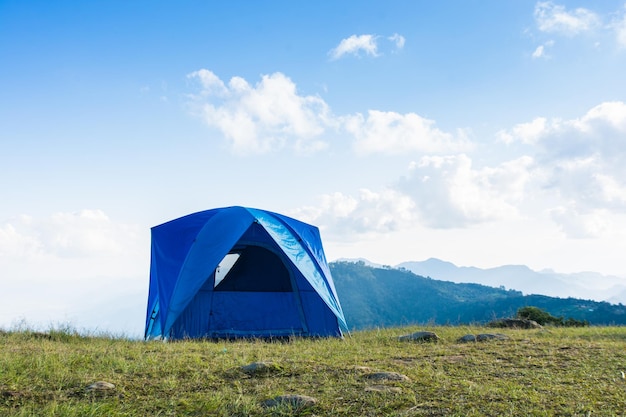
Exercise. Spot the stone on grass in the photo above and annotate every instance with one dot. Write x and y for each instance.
(100, 387)
(467, 338)
(388, 376)
(490, 336)
(260, 368)
(294, 400)
(481, 337)
(419, 337)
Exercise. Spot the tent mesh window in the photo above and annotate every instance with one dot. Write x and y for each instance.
(256, 270)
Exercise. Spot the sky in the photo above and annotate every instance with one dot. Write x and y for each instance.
(483, 133)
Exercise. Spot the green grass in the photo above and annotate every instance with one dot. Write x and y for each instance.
(550, 372)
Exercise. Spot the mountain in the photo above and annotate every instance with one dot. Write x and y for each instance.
(578, 285)
(386, 296)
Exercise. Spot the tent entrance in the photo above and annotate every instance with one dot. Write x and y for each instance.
(254, 293)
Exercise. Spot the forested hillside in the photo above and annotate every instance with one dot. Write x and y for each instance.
(382, 297)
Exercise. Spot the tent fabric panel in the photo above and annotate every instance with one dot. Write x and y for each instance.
(171, 242)
(248, 313)
(176, 236)
(321, 321)
(301, 259)
(212, 243)
(257, 235)
(309, 234)
(194, 320)
(311, 239)
(170, 245)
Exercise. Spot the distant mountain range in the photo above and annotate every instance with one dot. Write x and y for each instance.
(382, 296)
(587, 285)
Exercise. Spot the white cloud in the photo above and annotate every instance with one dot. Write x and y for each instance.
(448, 192)
(590, 183)
(528, 133)
(555, 18)
(439, 193)
(600, 130)
(13, 243)
(364, 44)
(391, 132)
(578, 225)
(370, 213)
(268, 116)
(541, 51)
(87, 233)
(399, 40)
(211, 84)
(575, 163)
(272, 115)
(354, 45)
(580, 163)
(611, 114)
(611, 191)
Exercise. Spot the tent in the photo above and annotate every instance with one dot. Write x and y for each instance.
(240, 272)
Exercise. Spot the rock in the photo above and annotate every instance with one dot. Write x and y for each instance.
(383, 388)
(389, 376)
(481, 337)
(490, 336)
(260, 368)
(419, 337)
(467, 338)
(100, 387)
(296, 401)
(515, 324)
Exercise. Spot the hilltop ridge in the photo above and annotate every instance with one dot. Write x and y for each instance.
(586, 284)
(385, 296)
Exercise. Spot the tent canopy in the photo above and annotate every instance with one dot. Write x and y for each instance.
(240, 272)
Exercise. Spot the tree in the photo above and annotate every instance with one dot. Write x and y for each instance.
(536, 314)
(543, 317)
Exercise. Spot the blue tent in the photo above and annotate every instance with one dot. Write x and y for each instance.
(240, 272)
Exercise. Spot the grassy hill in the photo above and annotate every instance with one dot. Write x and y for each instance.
(558, 371)
(382, 297)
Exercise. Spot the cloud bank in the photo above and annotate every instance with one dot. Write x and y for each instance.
(272, 115)
(81, 268)
(568, 171)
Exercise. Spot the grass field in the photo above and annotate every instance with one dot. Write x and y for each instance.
(548, 372)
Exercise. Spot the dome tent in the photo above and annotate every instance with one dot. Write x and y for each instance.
(240, 272)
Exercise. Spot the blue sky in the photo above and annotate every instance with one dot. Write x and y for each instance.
(483, 133)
